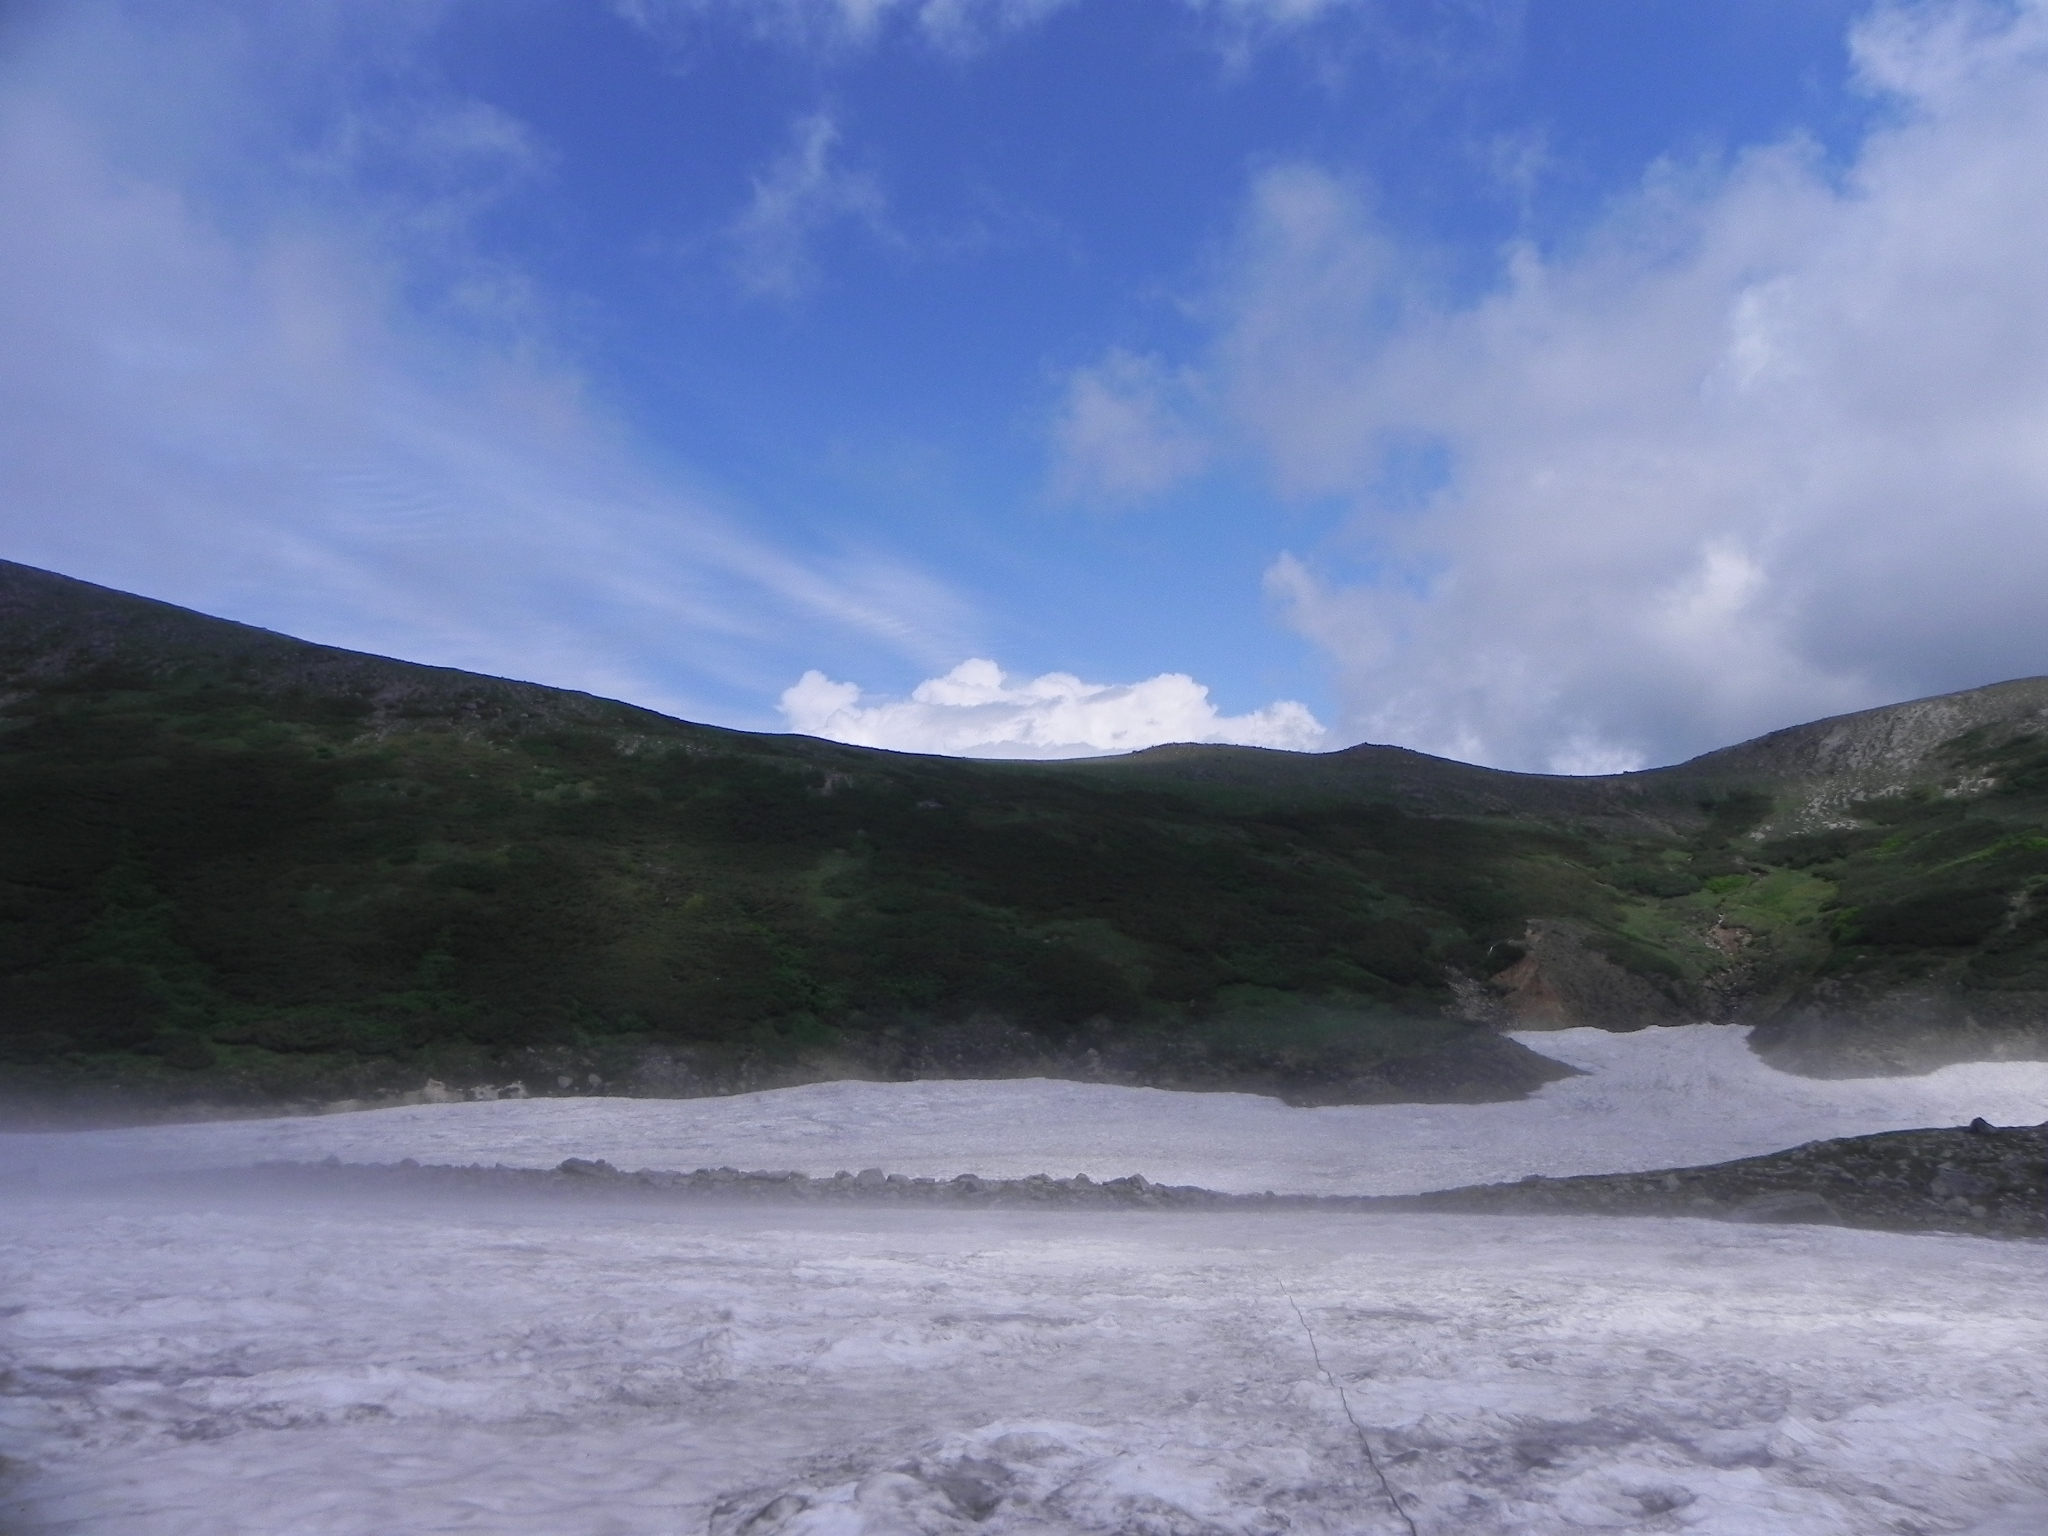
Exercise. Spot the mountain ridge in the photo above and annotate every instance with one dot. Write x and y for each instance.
(1885, 749)
(238, 866)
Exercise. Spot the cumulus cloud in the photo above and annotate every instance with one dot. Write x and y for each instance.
(1118, 436)
(242, 409)
(977, 710)
(1770, 442)
(803, 193)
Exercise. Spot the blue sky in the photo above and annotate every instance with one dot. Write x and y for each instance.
(1565, 386)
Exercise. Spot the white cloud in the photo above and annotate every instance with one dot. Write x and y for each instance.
(950, 24)
(244, 413)
(800, 196)
(1771, 442)
(955, 26)
(1118, 437)
(976, 710)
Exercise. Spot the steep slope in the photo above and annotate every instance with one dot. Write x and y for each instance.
(234, 864)
(1820, 771)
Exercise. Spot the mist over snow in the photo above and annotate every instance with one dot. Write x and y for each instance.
(978, 710)
(220, 1362)
(1660, 1097)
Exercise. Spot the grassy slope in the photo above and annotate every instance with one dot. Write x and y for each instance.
(233, 863)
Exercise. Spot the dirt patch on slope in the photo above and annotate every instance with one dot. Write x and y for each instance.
(1562, 982)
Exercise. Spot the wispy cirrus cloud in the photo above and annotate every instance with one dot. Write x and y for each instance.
(969, 25)
(841, 24)
(251, 401)
(801, 195)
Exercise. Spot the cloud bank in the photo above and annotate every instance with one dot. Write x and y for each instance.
(977, 710)
(1769, 442)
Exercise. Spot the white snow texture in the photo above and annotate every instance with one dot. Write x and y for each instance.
(1657, 1098)
(226, 1364)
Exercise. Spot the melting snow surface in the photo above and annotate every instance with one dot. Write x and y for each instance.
(217, 1368)
(1656, 1098)
(218, 1364)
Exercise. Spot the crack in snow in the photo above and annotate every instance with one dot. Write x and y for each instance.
(1344, 1401)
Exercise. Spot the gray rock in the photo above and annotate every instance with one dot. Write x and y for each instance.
(1787, 1206)
(1953, 1183)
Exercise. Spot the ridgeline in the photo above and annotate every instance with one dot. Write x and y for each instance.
(241, 869)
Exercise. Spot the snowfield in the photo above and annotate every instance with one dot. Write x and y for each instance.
(222, 1362)
(1657, 1098)
(222, 1369)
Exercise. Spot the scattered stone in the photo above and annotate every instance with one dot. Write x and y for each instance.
(1954, 1183)
(1788, 1206)
(1993, 1182)
(1993, 1185)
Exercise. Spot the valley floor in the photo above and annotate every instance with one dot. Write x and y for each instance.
(222, 1362)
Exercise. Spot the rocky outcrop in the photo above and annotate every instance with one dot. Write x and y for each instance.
(1820, 770)
(1982, 1179)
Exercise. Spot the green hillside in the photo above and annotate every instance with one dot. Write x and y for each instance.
(236, 866)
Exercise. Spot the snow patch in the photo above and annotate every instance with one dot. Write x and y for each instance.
(1656, 1098)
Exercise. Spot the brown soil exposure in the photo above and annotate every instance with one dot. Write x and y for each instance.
(1561, 982)
(1982, 1179)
